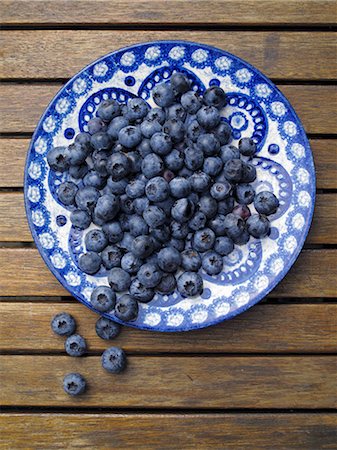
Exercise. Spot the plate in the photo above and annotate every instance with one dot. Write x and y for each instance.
(256, 108)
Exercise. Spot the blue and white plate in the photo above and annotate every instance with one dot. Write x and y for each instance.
(256, 108)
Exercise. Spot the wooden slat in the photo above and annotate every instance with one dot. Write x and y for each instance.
(265, 328)
(21, 105)
(175, 382)
(313, 275)
(14, 227)
(62, 53)
(191, 431)
(11, 169)
(242, 12)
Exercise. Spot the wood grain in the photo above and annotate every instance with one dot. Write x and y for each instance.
(304, 280)
(175, 382)
(21, 105)
(243, 12)
(62, 53)
(264, 328)
(11, 169)
(14, 226)
(191, 431)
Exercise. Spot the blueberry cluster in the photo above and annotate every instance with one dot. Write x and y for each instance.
(113, 358)
(166, 190)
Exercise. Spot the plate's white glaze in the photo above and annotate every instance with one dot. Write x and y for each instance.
(256, 108)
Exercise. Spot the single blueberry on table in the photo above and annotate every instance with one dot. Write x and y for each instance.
(198, 221)
(103, 298)
(114, 360)
(194, 130)
(63, 324)
(233, 170)
(77, 154)
(248, 173)
(75, 345)
(217, 224)
(126, 308)
(74, 384)
(174, 160)
(107, 329)
(212, 166)
(127, 205)
(116, 187)
(175, 129)
(208, 117)
(220, 191)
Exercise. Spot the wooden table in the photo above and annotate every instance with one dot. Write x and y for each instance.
(266, 379)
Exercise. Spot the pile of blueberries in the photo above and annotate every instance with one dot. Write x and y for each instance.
(166, 190)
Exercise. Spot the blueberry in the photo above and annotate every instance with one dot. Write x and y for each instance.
(130, 136)
(119, 279)
(108, 109)
(86, 198)
(90, 262)
(131, 263)
(208, 117)
(96, 220)
(84, 140)
(149, 128)
(163, 95)
(198, 221)
(78, 172)
(182, 210)
(138, 225)
(74, 384)
(63, 324)
(212, 166)
(118, 166)
(167, 284)
(244, 193)
(154, 216)
(77, 154)
(161, 234)
(220, 191)
(247, 146)
(190, 284)
(117, 187)
(156, 114)
(169, 259)
(180, 187)
(176, 111)
(149, 275)
(200, 181)
(217, 224)
(178, 244)
(140, 204)
(142, 246)
(194, 130)
(234, 225)
(152, 165)
(175, 129)
(80, 219)
(94, 179)
(113, 232)
(223, 245)
(248, 173)
(95, 125)
(95, 240)
(157, 189)
(226, 206)
(161, 143)
(135, 161)
(223, 132)
(228, 152)
(209, 144)
(191, 102)
(139, 292)
(107, 207)
(126, 204)
(137, 108)
(242, 210)
(99, 160)
(101, 141)
(116, 125)
(126, 243)
(126, 308)
(179, 82)
(212, 263)
(75, 345)
(58, 159)
(242, 239)
(66, 192)
(215, 96)
(266, 203)
(208, 205)
(203, 240)
(103, 298)
(111, 256)
(179, 230)
(114, 360)
(233, 170)
(174, 160)
(107, 329)
(193, 157)
(144, 148)
(190, 260)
